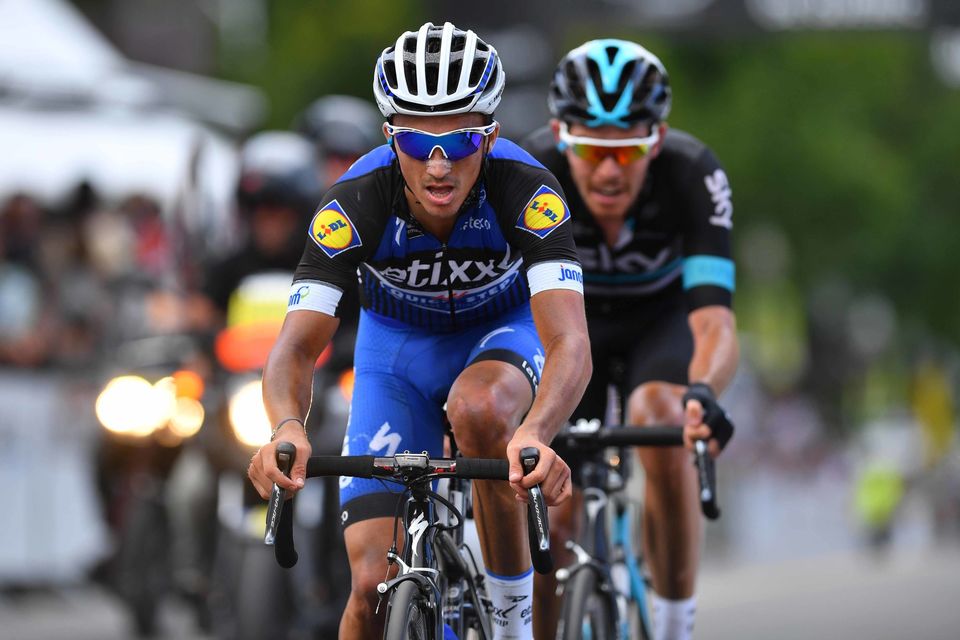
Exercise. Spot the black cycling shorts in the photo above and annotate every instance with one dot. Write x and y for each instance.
(649, 342)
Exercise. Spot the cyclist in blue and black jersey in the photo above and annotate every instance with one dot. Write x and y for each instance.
(471, 296)
(651, 211)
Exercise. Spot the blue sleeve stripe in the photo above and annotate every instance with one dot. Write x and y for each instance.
(714, 271)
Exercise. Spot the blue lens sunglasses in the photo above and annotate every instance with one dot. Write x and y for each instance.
(454, 145)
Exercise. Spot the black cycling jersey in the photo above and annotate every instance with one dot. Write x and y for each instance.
(676, 236)
(513, 220)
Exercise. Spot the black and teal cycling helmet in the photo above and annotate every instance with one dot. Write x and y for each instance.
(610, 82)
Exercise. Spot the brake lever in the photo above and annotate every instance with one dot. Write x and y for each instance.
(285, 455)
(707, 477)
(538, 524)
(279, 531)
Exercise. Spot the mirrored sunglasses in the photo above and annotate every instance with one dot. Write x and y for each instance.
(454, 145)
(596, 150)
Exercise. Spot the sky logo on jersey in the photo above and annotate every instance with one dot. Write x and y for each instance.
(333, 231)
(545, 212)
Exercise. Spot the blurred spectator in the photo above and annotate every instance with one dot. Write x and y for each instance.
(25, 314)
(82, 303)
(21, 223)
(343, 128)
(275, 195)
(152, 250)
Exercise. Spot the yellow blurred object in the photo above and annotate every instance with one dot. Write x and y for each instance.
(879, 491)
(259, 299)
(933, 407)
(255, 521)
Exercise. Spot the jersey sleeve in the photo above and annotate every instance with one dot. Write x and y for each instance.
(341, 235)
(708, 268)
(535, 219)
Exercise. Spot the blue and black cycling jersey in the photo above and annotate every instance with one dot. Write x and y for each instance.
(676, 237)
(514, 220)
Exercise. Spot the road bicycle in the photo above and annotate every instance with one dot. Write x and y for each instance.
(438, 584)
(605, 589)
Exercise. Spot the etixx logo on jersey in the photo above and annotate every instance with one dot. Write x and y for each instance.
(333, 231)
(545, 212)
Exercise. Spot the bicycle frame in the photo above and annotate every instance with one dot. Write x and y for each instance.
(418, 562)
(595, 552)
(444, 580)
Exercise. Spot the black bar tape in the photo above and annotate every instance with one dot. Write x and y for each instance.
(482, 469)
(641, 437)
(354, 466)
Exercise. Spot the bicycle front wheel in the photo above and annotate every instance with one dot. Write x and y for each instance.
(407, 614)
(588, 613)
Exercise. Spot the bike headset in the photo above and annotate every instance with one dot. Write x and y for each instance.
(609, 82)
(438, 71)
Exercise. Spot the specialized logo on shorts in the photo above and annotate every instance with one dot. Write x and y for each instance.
(333, 231)
(545, 212)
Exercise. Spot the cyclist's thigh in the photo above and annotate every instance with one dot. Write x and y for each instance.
(389, 413)
(513, 340)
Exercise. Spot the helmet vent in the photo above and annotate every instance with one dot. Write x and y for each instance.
(476, 72)
(410, 73)
(611, 54)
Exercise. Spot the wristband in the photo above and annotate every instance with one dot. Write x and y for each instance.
(273, 434)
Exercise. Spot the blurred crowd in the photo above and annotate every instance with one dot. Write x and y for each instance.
(140, 331)
(80, 277)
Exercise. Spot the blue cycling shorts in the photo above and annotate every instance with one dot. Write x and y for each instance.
(403, 377)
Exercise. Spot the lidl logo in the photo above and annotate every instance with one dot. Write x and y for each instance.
(333, 231)
(545, 212)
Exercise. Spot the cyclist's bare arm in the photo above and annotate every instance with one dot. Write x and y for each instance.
(287, 384)
(562, 326)
(716, 352)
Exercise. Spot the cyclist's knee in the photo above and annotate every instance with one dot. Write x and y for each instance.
(480, 425)
(656, 403)
(659, 403)
(364, 578)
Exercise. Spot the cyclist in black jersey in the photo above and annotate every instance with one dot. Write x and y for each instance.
(651, 212)
(472, 306)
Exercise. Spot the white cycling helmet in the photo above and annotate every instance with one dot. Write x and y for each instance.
(438, 71)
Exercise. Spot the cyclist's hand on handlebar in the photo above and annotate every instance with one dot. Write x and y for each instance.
(701, 410)
(263, 471)
(695, 429)
(551, 473)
